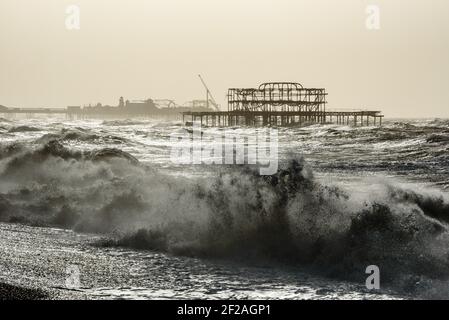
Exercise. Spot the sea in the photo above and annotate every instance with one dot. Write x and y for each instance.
(105, 209)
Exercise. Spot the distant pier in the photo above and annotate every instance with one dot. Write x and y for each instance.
(126, 109)
(281, 104)
(31, 111)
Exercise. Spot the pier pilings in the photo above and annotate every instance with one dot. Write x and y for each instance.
(283, 118)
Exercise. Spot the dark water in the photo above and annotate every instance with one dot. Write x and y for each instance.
(342, 199)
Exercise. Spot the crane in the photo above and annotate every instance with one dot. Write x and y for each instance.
(209, 97)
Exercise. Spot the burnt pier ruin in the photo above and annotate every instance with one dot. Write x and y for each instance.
(281, 104)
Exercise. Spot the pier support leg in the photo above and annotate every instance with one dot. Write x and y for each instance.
(264, 120)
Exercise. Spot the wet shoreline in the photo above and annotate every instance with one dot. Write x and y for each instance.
(13, 292)
(34, 264)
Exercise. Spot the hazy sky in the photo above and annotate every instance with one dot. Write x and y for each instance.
(155, 49)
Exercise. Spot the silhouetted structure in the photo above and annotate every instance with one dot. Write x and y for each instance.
(280, 103)
(126, 109)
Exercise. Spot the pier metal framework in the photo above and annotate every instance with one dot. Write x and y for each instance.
(281, 104)
(277, 96)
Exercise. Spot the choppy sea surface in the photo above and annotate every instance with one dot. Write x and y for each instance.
(107, 197)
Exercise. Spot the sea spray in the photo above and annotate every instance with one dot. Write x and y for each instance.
(291, 218)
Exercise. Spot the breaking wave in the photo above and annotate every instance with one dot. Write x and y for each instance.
(435, 138)
(4, 120)
(23, 129)
(126, 122)
(290, 218)
(80, 135)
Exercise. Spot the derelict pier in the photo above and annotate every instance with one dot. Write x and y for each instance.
(281, 104)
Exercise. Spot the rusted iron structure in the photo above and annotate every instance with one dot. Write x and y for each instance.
(280, 104)
(272, 98)
(277, 96)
